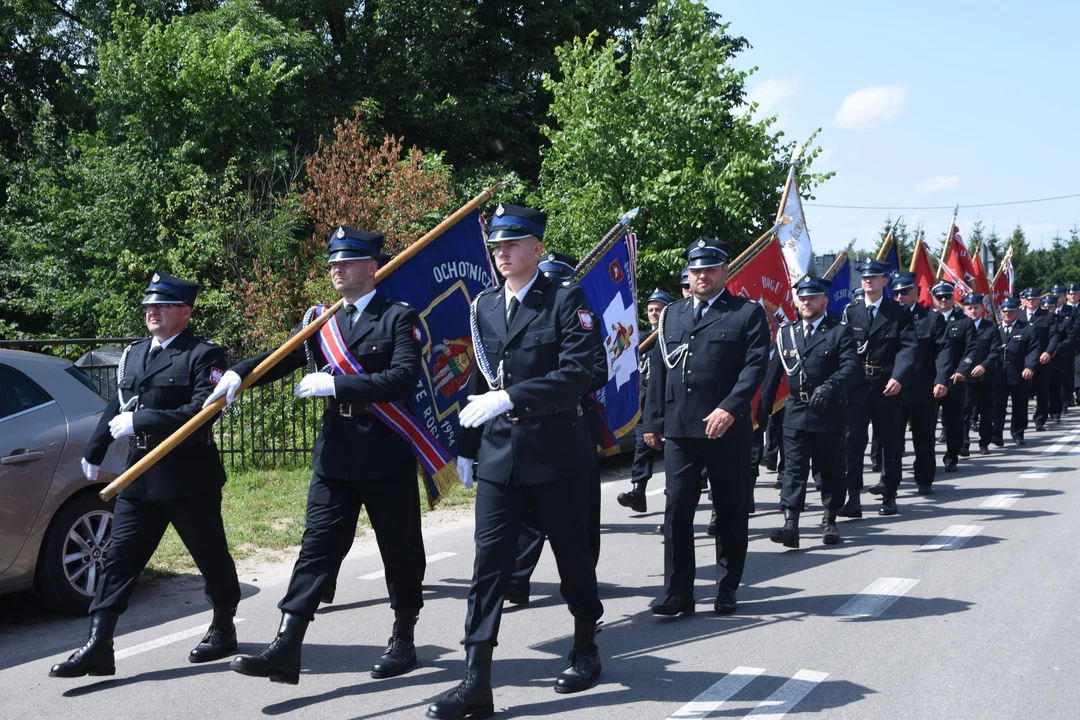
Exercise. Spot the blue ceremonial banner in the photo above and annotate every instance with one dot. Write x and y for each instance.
(441, 281)
(610, 286)
(840, 291)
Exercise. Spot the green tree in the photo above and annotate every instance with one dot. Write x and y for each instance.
(661, 126)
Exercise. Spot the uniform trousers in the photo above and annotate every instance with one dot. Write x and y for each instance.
(138, 526)
(824, 451)
(333, 508)
(886, 415)
(922, 417)
(1019, 395)
(1042, 389)
(979, 400)
(501, 511)
(641, 469)
(531, 540)
(1058, 370)
(727, 461)
(952, 419)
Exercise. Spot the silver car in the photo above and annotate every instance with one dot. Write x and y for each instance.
(54, 530)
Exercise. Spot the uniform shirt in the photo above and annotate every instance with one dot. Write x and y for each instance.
(360, 305)
(154, 343)
(708, 303)
(520, 294)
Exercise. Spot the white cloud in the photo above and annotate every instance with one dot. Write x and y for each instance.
(768, 93)
(938, 183)
(871, 106)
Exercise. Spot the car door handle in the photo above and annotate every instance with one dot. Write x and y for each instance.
(22, 457)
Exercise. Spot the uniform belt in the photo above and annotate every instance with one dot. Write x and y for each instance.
(516, 417)
(349, 410)
(873, 371)
(146, 441)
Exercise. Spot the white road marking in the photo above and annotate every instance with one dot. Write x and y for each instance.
(657, 491)
(953, 537)
(877, 597)
(788, 695)
(1002, 499)
(430, 558)
(1038, 471)
(1060, 444)
(162, 641)
(718, 694)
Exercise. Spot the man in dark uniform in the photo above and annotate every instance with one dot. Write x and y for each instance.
(1046, 332)
(714, 347)
(559, 268)
(535, 346)
(644, 456)
(885, 339)
(1020, 356)
(1061, 366)
(929, 382)
(1072, 295)
(960, 334)
(817, 354)
(979, 398)
(360, 462)
(160, 386)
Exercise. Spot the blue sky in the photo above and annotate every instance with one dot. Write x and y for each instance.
(923, 104)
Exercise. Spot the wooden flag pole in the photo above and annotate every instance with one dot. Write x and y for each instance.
(889, 241)
(945, 251)
(835, 267)
(207, 413)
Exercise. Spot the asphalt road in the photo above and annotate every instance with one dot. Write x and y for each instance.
(965, 605)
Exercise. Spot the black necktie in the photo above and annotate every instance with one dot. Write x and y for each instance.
(350, 312)
(809, 330)
(514, 305)
(699, 311)
(154, 352)
(870, 313)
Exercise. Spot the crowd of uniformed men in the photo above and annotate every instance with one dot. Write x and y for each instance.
(709, 388)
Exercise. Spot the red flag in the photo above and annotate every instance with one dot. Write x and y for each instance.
(960, 262)
(1003, 283)
(982, 280)
(764, 279)
(924, 273)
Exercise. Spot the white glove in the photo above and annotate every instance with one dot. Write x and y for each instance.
(482, 408)
(122, 425)
(89, 471)
(464, 471)
(228, 385)
(315, 385)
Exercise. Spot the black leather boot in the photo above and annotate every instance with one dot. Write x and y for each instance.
(888, 505)
(96, 656)
(789, 534)
(472, 698)
(852, 508)
(583, 664)
(635, 500)
(280, 661)
(711, 530)
(830, 534)
(219, 640)
(400, 655)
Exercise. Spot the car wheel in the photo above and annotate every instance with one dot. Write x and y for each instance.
(72, 558)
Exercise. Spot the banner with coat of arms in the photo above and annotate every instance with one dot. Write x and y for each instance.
(441, 281)
(610, 286)
(764, 279)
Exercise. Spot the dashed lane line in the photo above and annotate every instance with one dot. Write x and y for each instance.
(1002, 500)
(790, 694)
(877, 597)
(162, 641)
(953, 537)
(430, 558)
(720, 692)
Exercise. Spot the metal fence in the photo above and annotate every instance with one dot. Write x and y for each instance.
(266, 427)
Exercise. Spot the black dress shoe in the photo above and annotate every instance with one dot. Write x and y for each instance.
(965, 451)
(711, 530)
(1039, 427)
(725, 603)
(635, 500)
(671, 607)
(878, 489)
(950, 466)
(516, 595)
(830, 534)
(583, 664)
(998, 440)
(280, 661)
(95, 658)
(659, 529)
(888, 506)
(851, 509)
(220, 638)
(770, 464)
(1018, 438)
(778, 485)
(400, 655)
(984, 450)
(925, 490)
(471, 698)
